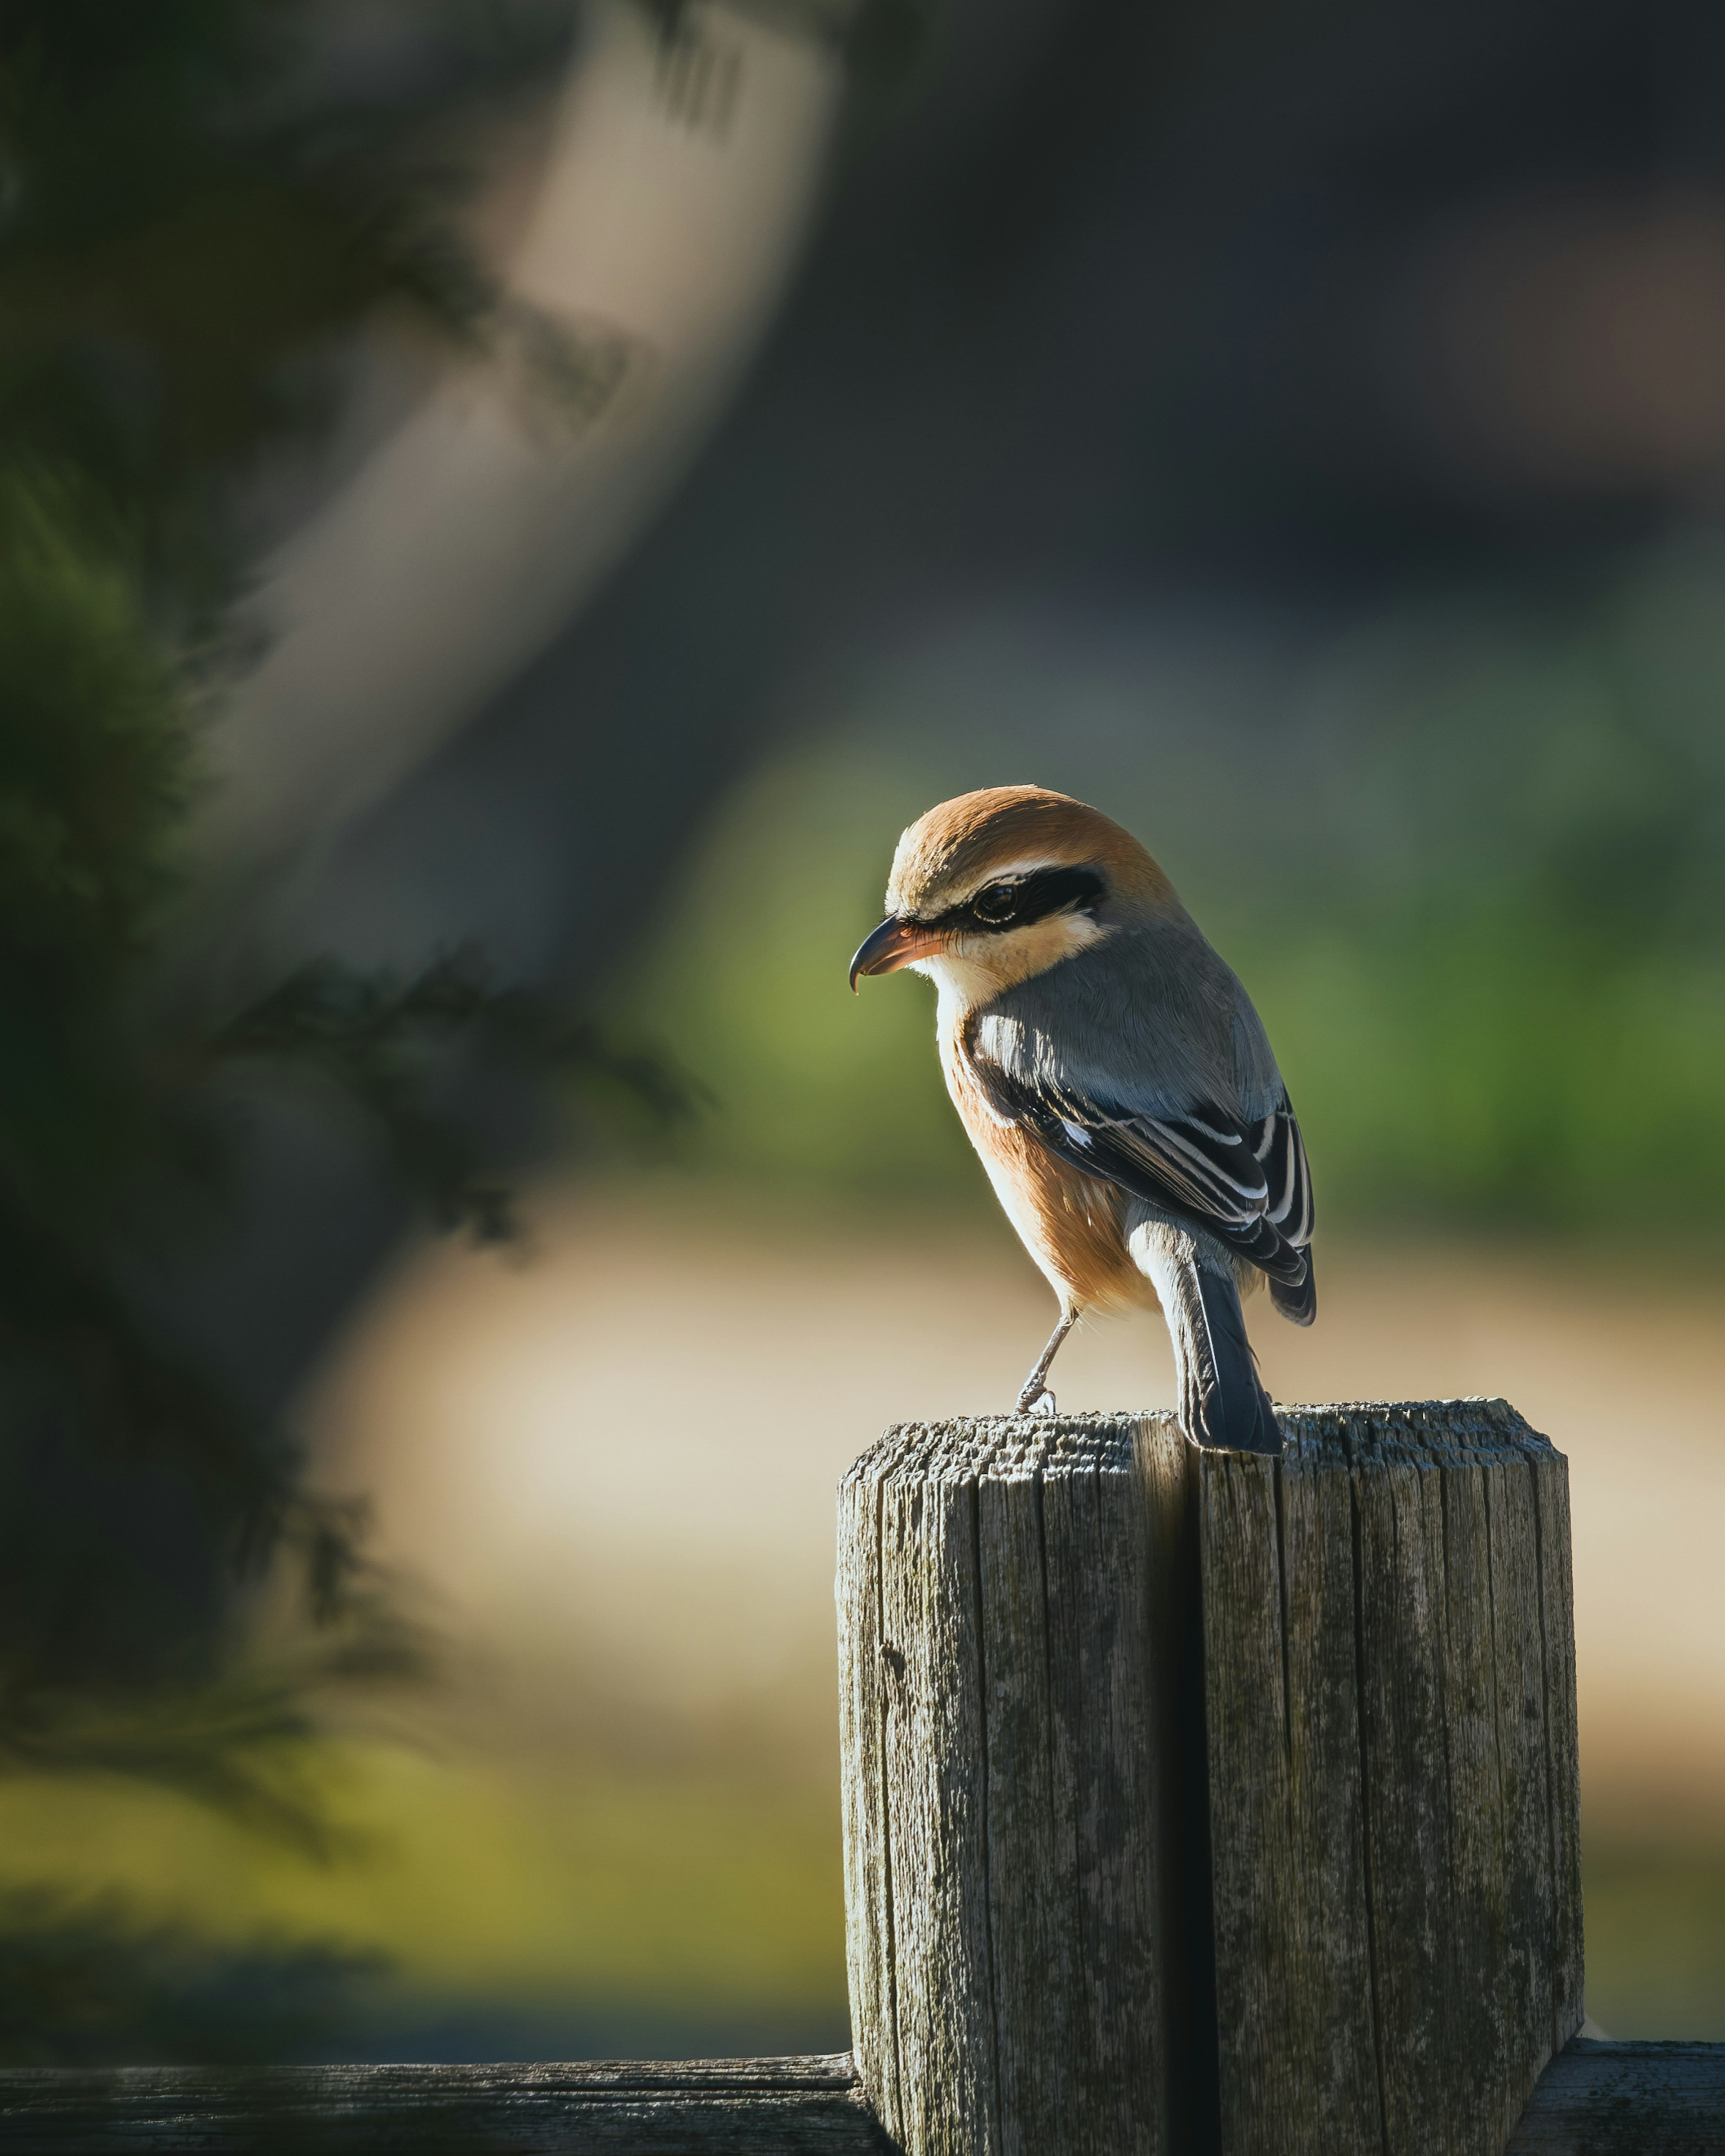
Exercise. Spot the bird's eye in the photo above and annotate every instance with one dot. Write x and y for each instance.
(995, 902)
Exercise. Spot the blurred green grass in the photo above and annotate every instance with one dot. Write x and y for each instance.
(542, 1895)
(1655, 1918)
(515, 1887)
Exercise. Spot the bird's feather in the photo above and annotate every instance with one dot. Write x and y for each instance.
(1143, 1063)
(1246, 1184)
(1223, 1402)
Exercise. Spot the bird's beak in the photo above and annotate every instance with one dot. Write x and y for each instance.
(895, 943)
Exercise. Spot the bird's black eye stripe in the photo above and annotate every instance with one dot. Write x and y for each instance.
(1031, 898)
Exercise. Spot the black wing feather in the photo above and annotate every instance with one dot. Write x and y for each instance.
(1246, 1184)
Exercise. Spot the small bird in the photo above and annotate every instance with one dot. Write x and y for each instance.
(1116, 1080)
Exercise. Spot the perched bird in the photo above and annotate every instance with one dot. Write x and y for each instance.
(1116, 1081)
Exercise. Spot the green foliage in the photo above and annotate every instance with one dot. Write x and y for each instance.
(85, 1981)
(95, 771)
(186, 211)
(113, 1136)
(376, 1041)
(95, 754)
(190, 222)
(186, 214)
(244, 1742)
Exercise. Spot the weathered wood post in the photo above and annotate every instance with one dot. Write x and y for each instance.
(1195, 1801)
(1006, 1595)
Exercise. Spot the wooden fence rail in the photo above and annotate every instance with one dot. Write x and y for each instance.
(1195, 1805)
(1593, 2100)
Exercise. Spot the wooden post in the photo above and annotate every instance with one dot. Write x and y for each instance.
(1006, 1597)
(1197, 1801)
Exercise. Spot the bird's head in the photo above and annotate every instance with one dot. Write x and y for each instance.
(995, 886)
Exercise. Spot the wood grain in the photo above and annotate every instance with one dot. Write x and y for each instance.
(1009, 1607)
(1593, 2100)
(1296, 2020)
(1627, 2100)
(809, 2106)
(1386, 1951)
(1390, 1724)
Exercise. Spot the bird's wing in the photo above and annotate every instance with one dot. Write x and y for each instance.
(1280, 1151)
(1246, 1184)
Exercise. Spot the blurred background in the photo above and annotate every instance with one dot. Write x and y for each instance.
(506, 510)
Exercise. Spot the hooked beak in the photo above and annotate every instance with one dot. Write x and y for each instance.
(895, 943)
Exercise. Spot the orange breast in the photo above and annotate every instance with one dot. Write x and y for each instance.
(1072, 1226)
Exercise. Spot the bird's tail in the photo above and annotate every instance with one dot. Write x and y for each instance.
(1222, 1402)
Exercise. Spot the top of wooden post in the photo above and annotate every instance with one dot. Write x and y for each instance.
(1006, 1447)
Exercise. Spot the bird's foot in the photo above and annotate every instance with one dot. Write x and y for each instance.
(1040, 1403)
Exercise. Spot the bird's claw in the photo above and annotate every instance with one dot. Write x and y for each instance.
(1042, 1404)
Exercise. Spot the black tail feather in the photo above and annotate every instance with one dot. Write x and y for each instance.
(1222, 1403)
